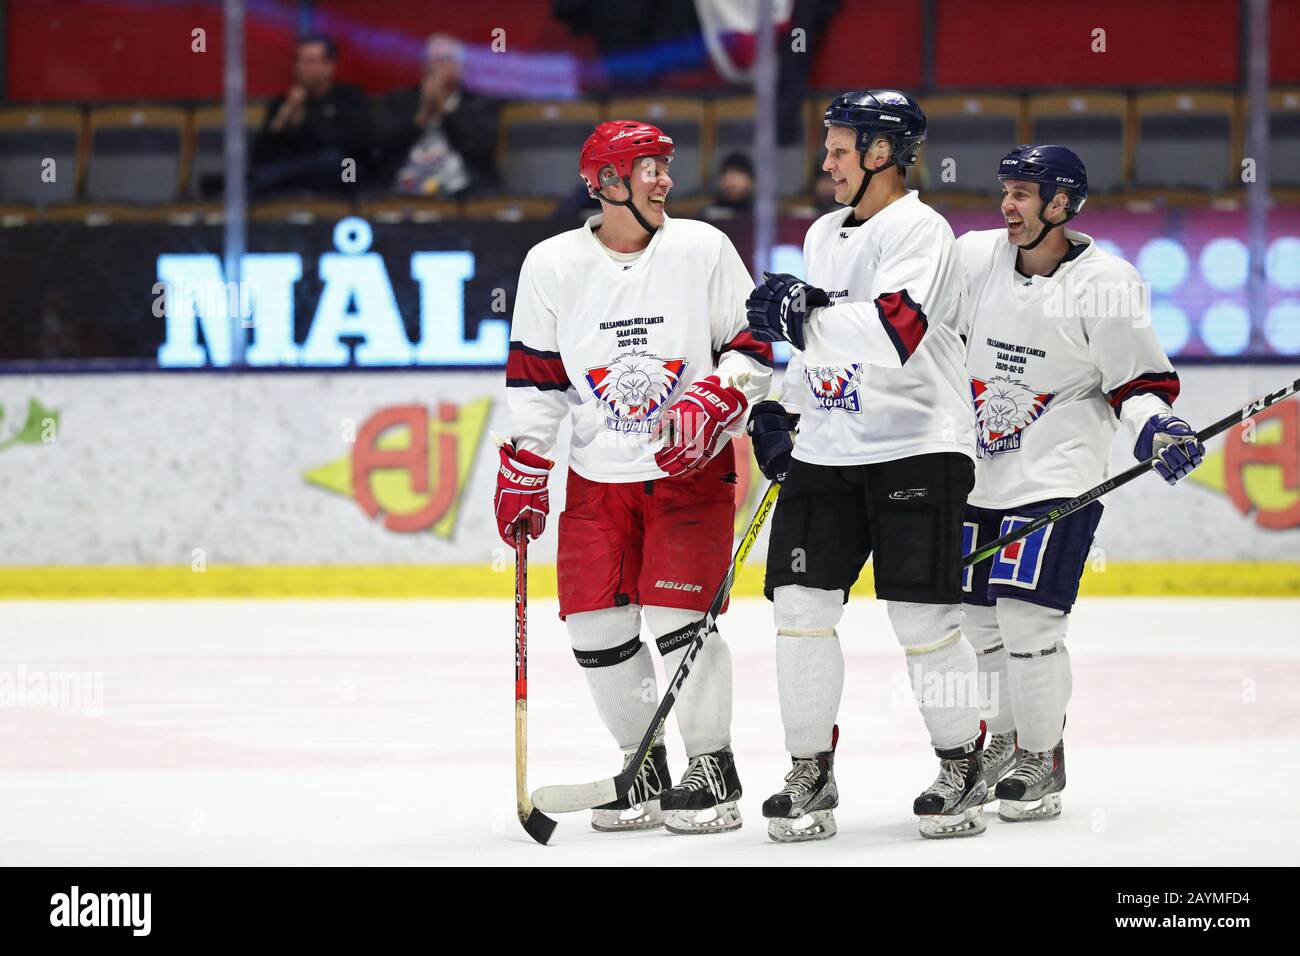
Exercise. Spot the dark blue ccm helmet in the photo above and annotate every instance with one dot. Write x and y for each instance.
(873, 113)
(1053, 168)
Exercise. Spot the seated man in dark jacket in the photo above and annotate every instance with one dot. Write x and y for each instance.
(310, 130)
(440, 139)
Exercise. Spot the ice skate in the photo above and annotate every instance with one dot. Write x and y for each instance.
(705, 799)
(1032, 791)
(639, 809)
(953, 806)
(999, 753)
(805, 808)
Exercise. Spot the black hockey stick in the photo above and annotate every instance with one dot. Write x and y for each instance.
(583, 796)
(537, 824)
(1124, 477)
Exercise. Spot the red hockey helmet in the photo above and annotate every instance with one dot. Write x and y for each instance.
(619, 144)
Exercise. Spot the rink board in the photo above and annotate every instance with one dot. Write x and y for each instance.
(308, 483)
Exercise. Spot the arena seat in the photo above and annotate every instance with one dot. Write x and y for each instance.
(29, 136)
(1284, 138)
(409, 209)
(299, 211)
(510, 209)
(1186, 140)
(208, 148)
(539, 144)
(974, 133)
(136, 154)
(681, 118)
(1094, 125)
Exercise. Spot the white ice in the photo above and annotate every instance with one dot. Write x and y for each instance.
(376, 732)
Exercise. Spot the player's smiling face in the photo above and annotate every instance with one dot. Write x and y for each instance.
(650, 187)
(1021, 203)
(842, 162)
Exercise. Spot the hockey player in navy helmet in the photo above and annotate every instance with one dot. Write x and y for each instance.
(1062, 355)
(881, 465)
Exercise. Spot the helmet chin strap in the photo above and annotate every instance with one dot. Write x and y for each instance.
(866, 179)
(626, 203)
(1047, 226)
(866, 176)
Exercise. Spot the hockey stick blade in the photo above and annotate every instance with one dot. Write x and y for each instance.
(538, 826)
(570, 798)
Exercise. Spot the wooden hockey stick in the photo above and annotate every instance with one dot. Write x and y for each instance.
(1124, 477)
(537, 824)
(567, 798)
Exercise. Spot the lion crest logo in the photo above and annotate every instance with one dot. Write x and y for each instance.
(636, 384)
(835, 386)
(1005, 407)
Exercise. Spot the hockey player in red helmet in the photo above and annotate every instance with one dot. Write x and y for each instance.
(617, 151)
(624, 325)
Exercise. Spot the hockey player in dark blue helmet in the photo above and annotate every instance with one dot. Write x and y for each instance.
(1062, 189)
(881, 465)
(1061, 355)
(887, 129)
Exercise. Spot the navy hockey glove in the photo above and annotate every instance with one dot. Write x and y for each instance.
(771, 432)
(778, 309)
(1172, 443)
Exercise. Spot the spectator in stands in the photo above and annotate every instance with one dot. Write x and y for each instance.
(735, 188)
(310, 130)
(440, 139)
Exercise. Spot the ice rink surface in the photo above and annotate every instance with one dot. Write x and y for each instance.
(377, 732)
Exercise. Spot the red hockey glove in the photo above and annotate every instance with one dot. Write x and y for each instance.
(521, 493)
(692, 429)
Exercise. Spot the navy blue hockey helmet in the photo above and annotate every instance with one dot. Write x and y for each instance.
(1053, 168)
(873, 113)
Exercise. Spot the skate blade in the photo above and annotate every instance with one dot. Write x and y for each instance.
(720, 819)
(644, 816)
(1019, 811)
(968, 823)
(818, 825)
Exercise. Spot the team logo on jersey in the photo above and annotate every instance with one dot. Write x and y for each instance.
(1005, 407)
(634, 387)
(835, 386)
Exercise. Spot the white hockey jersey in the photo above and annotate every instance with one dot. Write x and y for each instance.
(612, 345)
(882, 376)
(1055, 363)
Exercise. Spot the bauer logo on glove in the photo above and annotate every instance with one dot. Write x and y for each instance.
(521, 495)
(693, 429)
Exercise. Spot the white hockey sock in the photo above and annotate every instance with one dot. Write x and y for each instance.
(809, 665)
(703, 707)
(1038, 666)
(941, 666)
(607, 643)
(980, 625)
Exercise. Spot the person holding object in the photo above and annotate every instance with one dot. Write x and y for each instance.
(882, 464)
(1062, 353)
(633, 327)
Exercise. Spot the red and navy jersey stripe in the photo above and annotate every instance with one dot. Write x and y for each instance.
(904, 321)
(756, 349)
(534, 368)
(1164, 384)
